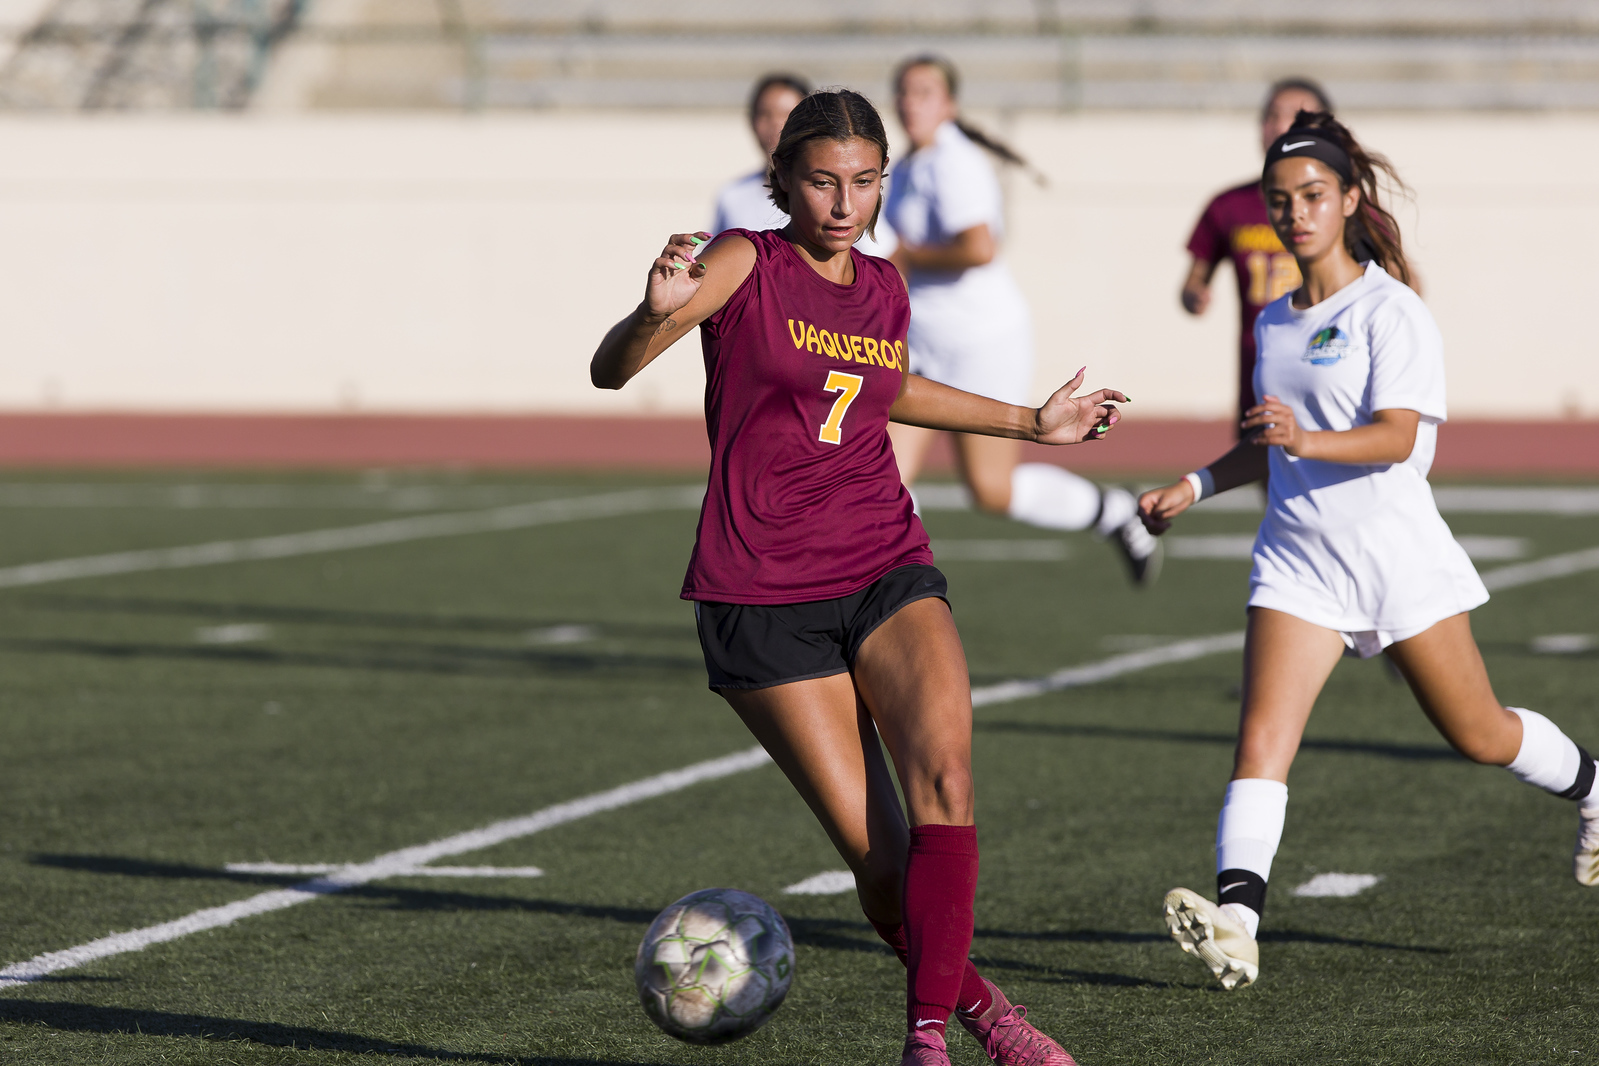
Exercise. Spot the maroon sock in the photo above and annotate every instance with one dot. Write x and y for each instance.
(940, 886)
(974, 998)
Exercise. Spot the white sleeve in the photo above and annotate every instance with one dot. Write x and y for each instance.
(721, 221)
(967, 192)
(1407, 359)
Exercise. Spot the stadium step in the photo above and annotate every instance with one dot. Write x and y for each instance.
(1016, 54)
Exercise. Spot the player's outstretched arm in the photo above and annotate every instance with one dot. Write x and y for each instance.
(1064, 418)
(681, 292)
(1244, 464)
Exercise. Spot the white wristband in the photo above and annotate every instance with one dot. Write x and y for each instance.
(1202, 483)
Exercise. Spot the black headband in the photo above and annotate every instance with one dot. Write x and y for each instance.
(1312, 144)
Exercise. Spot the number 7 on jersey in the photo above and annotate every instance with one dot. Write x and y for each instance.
(848, 386)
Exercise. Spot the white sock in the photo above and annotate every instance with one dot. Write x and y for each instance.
(1045, 495)
(1247, 835)
(1548, 759)
(1117, 507)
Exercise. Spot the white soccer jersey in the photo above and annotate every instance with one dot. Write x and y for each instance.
(746, 203)
(1357, 548)
(969, 328)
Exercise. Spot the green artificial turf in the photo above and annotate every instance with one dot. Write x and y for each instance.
(396, 696)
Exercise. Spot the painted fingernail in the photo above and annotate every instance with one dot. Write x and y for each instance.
(679, 266)
(697, 239)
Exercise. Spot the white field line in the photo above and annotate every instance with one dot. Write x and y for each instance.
(402, 862)
(1553, 566)
(1000, 551)
(1451, 499)
(1241, 546)
(295, 868)
(372, 534)
(1090, 673)
(394, 864)
(1323, 886)
(827, 883)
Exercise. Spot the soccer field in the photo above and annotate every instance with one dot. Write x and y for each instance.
(192, 730)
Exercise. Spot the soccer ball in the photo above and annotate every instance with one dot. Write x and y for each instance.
(714, 966)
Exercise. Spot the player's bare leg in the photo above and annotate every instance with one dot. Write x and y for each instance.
(823, 739)
(1286, 662)
(987, 465)
(911, 444)
(912, 675)
(1445, 671)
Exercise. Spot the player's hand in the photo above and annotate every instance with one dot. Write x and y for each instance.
(1068, 419)
(1158, 507)
(675, 275)
(1273, 422)
(1196, 299)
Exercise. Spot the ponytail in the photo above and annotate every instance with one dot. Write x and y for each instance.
(1372, 232)
(1004, 152)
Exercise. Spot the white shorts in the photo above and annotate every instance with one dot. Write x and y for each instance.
(987, 354)
(1384, 579)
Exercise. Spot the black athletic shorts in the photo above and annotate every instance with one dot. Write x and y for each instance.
(758, 646)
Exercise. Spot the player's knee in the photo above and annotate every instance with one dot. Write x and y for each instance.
(950, 793)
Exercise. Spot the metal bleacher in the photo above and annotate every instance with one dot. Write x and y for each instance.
(1017, 54)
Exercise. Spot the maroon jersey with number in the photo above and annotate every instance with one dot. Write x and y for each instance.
(805, 501)
(1235, 226)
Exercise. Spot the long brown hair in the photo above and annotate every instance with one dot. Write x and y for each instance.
(1372, 232)
(976, 135)
(831, 114)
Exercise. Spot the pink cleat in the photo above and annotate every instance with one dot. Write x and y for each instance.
(1008, 1038)
(925, 1047)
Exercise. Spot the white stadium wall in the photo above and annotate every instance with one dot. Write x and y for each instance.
(469, 264)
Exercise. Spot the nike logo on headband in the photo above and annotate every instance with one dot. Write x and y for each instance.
(1296, 144)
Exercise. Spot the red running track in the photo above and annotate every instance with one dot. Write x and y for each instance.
(1153, 446)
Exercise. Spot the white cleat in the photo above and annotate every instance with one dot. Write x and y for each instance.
(1585, 858)
(1140, 549)
(1222, 943)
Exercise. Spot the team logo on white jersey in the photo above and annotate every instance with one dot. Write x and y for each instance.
(1329, 347)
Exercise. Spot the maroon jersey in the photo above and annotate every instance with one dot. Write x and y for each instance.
(805, 501)
(1235, 226)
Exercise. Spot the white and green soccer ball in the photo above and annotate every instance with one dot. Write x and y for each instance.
(714, 966)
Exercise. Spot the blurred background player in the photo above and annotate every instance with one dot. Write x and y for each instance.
(1352, 556)
(970, 324)
(1234, 226)
(746, 203)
